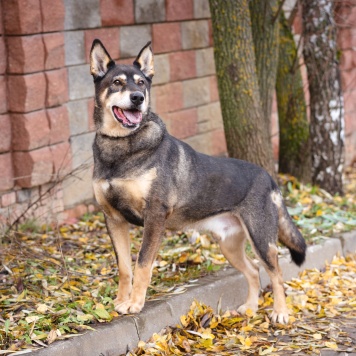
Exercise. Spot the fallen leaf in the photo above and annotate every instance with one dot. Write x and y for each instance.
(52, 336)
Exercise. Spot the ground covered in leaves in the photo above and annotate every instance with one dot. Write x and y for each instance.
(56, 282)
(323, 308)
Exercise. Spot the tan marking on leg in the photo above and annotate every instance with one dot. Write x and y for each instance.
(142, 279)
(119, 232)
(233, 248)
(143, 270)
(280, 312)
(118, 228)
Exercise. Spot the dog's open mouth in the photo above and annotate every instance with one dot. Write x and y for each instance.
(128, 118)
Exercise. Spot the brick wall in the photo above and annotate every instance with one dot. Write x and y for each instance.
(46, 127)
(34, 123)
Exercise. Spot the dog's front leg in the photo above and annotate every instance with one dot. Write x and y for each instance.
(118, 229)
(152, 237)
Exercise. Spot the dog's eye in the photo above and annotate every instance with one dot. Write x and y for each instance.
(141, 82)
(117, 82)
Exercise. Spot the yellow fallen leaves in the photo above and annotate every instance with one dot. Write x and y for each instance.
(324, 317)
(315, 211)
(331, 345)
(47, 285)
(266, 351)
(52, 336)
(328, 293)
(317, 336)
(42, 308)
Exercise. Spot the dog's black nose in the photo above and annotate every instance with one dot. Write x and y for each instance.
(137, 98)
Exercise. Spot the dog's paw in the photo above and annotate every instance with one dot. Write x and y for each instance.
(129, 307)
(281, 317)
(242, 309)
(117, 301)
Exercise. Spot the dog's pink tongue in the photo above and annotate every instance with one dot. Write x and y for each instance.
(133, 116)
(121, 115)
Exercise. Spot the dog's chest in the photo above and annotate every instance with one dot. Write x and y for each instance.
(127, 196)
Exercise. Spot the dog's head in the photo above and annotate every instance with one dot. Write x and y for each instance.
(122, 92)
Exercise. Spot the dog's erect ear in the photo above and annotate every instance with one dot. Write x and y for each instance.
(144, 61)
(100, 60)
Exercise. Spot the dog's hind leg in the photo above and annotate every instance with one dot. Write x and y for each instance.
(280, 312)
(233, 248)
(118, 230)
(262, 227)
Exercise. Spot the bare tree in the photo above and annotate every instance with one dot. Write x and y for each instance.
(326, 100)
(294, 145)
(245, 129)
(265, 32)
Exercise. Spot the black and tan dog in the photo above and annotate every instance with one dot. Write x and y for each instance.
(146, 177)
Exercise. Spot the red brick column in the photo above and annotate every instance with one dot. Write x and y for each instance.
(36, 88)
(34, 125)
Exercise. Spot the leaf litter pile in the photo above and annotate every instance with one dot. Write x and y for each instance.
(323, 308)
(58, 282)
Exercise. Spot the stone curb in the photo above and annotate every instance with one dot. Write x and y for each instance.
(229, 286)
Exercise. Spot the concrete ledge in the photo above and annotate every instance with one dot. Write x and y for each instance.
(124, 333)
(348, 242)
(107, 339)
(117, 337)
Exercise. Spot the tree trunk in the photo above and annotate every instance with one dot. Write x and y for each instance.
(265, 32)
(245, 132)
(294, 147)
(326, 100)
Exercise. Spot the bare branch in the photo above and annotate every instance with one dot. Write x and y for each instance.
(278, 11)
(59, 179)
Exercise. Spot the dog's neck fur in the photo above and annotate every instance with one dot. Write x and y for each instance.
(117, 149)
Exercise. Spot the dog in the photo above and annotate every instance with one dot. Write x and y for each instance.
(144, 176)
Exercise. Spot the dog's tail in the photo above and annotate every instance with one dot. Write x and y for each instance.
(288, 233)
